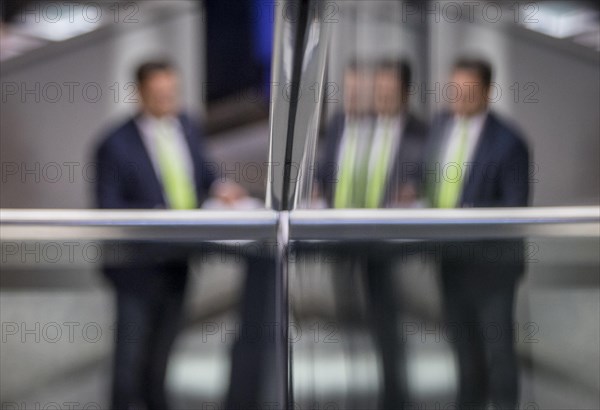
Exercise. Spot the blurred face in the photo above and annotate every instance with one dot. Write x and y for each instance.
(358, 92)
(473, 97)
(388, 93)
(160, 93)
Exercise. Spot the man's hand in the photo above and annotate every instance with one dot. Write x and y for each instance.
(406, 196)
(228, 192)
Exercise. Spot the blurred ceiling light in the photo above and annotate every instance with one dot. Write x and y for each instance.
(567, 20)
(63, 22)
(29, 25)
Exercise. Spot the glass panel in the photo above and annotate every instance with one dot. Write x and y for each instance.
(337, 104)
(443, 104)
(413, 94)
(62, 322)
(390, 322)
(141, 105)
(373, 324)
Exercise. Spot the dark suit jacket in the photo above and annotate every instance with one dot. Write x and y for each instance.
(126, 176)
(127, 180)
(497, 177)
(498, 174)
(406, 163)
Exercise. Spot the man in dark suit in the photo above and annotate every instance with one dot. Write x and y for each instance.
(372, 154)
(154, 160)
(478, 160)
(375, 111)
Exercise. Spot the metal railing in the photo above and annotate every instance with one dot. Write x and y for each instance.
(339, 225)
(390, 224)
(165, 226)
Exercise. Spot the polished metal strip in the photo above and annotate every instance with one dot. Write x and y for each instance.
(310, 105)
(282, 353)
(155, 225)
(390, 224)
(304, 224)
(285, 55)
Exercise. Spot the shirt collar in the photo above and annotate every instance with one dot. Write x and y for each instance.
(477, 119)
(392, 119)
(147, 119)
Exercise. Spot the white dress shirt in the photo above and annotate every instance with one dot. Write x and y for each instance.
(475, 127)
(149, 126)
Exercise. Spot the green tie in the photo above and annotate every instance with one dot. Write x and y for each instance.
(449, 191)
(361, 175)
(344, 192)
(377, 179)
(177, 184)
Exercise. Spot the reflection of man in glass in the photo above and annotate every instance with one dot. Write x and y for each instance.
(347, 138)
(375, 146)
(398, 141)
(373, 149)
(481, 162)
(153, 160)
(346, 132)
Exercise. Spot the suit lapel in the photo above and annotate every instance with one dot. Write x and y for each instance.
(143, 162)
(480, 160)
(410, 141)
(193, 148)
(405, 153)
(436, 148)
